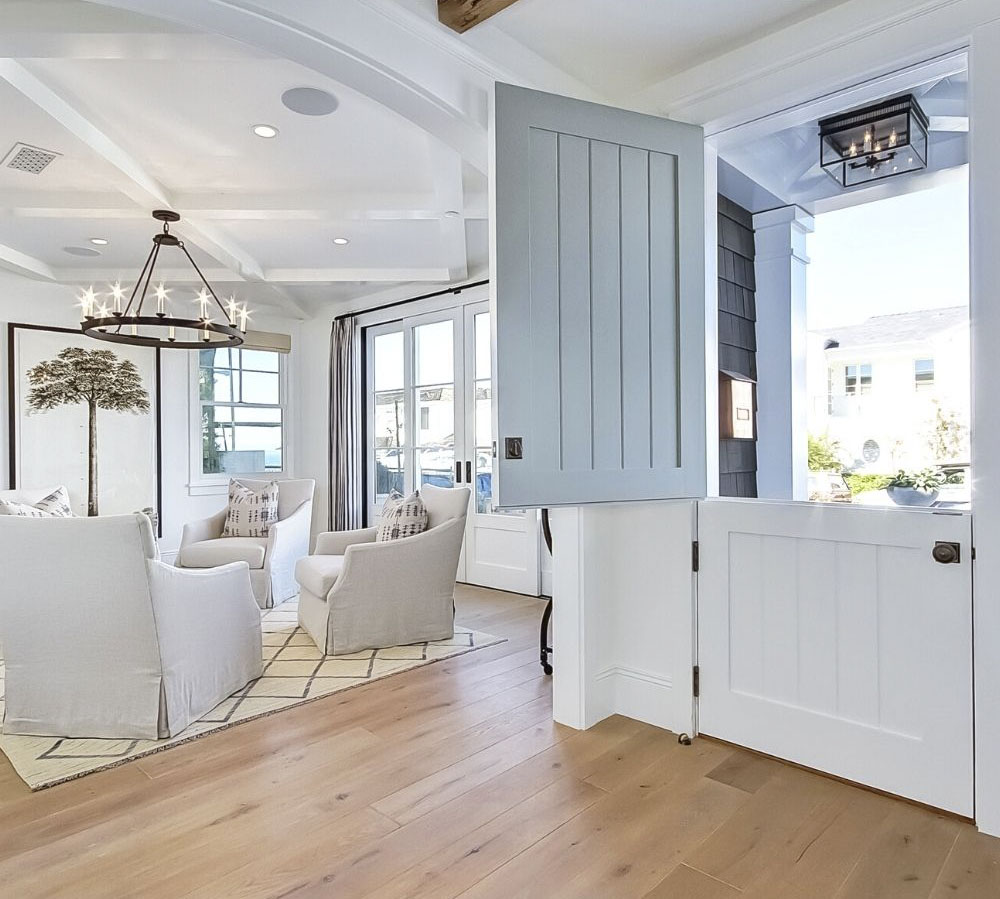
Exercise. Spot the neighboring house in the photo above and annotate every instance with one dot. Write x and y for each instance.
(893, 391)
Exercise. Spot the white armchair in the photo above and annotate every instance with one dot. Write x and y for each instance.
(271, 558)
(358, 594)
(101, 639)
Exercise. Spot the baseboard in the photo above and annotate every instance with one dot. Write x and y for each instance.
(644, 695)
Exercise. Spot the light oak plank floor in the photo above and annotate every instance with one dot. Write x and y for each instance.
(452, 781)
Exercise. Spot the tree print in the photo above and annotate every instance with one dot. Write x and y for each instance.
(97, 378)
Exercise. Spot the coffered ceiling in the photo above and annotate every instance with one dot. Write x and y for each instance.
(147, 104)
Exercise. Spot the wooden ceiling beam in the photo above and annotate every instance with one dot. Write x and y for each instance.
(461, 15)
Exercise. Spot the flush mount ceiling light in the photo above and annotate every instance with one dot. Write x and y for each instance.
(99, 241)
(109, 317)
(341, 241)
(889, 138)
(309, 101)
(263, 130)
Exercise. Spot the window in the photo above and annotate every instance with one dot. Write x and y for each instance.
(923, 374)
(829, 391)
(242, 398)
(857, 379)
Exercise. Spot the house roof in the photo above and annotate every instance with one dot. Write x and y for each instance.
(903, 327)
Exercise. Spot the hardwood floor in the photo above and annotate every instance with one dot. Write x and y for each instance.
(452, 780)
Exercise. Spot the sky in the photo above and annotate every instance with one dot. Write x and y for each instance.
(897, 255)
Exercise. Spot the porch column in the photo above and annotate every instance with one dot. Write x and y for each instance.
(780, 269)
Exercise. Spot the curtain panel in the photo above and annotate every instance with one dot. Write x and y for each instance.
(345, 450)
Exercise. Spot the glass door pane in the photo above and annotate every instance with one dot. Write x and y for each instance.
(387, 437)
(483, 406)
(434, 403)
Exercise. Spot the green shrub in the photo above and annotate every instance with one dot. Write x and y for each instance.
(862, 483)
(824, 454)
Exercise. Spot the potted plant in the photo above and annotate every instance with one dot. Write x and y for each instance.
(916, 488)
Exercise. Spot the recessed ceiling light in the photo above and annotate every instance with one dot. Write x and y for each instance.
(265, 130)
(341, 241)
(99, 241)
(81, 251)
(309, 101)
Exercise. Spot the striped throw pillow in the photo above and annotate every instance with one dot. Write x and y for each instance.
(251, 512)
(401, 517)
(55, 505)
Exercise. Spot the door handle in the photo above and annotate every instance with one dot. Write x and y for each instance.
(468, 472)
(458, 472)
(947, 553)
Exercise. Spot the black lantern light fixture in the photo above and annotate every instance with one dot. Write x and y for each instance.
(105, 318)
(889, 138)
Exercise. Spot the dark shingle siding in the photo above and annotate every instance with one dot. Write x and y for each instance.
(737, 336)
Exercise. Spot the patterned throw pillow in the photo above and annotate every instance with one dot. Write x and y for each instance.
(55, 505)
(401, 517)
(251, 512)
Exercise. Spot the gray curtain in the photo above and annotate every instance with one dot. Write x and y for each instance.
(346, 501)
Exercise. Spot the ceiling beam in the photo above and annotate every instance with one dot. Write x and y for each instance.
(22, 264)
(461, 15)
(140, 186)
(446, 171)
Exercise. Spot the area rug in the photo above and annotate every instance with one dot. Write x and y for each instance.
(295, 672)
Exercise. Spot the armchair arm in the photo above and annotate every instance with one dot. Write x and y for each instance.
(287, 542)
(209, 635)
(335, 543)
(426, 562)
(204, 529)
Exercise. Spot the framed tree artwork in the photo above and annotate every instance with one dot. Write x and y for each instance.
(86, 417)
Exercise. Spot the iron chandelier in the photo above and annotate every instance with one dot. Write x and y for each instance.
(141, 326)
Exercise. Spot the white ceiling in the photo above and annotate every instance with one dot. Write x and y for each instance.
(162, 113)
(147, 114)
(620, 47)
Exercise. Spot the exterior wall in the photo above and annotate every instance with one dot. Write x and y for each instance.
(895, 414)
(737, 337)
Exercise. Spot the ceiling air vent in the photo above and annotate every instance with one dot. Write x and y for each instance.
(26, 158)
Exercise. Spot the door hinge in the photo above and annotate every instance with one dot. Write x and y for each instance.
(696, 681)
(695, 555)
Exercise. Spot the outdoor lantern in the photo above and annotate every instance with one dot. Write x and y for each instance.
(889, 138)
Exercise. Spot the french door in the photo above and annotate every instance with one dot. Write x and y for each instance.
(430, 421)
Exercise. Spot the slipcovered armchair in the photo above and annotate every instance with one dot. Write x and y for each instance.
(271, 558)
(358, 594)
(101, 639)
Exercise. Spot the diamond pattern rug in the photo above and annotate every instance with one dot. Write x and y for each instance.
(295, 671)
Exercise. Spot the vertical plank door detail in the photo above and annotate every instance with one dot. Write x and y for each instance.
(599, 302)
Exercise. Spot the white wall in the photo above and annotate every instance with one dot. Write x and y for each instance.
(33, 302)
(623, 617)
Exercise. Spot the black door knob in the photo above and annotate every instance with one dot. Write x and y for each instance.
(946, 553)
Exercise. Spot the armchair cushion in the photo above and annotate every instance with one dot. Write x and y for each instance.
(222, 551)
(251, 510)
(402, 517)
(318, 574)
